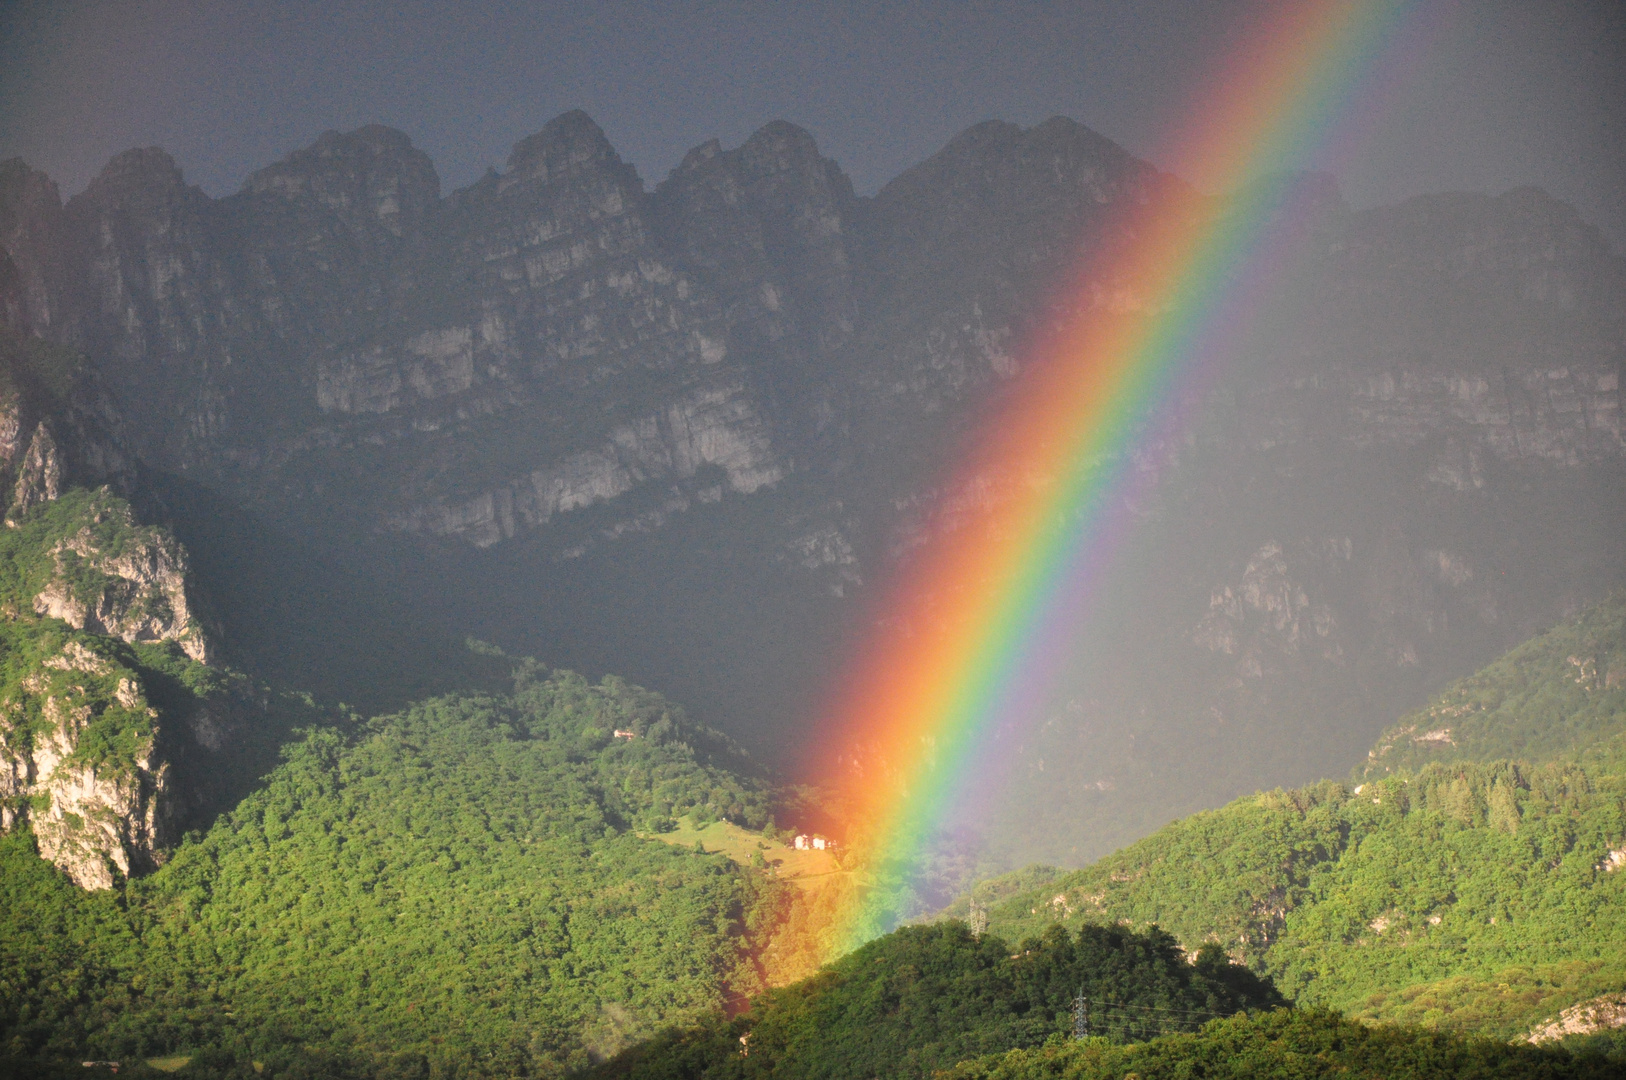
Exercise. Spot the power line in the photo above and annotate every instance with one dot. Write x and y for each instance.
(1127, 1020)
(1159, 1008)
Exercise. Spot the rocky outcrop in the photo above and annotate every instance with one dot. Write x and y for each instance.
(1269, 611)
(1603, 1013)
(57, 428)
(88, 759)
(39, 475)
(713, 430)
(82, 755)
(78, 765)
(115, 577)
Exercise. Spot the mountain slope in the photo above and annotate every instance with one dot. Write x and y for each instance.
(688, 431)
(1476, 895)
(115, 737)
(1550, 698)
(459, 884)
(1305, 1044)
(922, 998)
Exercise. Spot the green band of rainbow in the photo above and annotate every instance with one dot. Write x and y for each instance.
(979, 606)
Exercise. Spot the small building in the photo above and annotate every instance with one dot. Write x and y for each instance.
(819, 843)
(804, 842)
(624, 734)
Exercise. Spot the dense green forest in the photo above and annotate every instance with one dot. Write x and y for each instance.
(1480, 895)
(1292, 1044)
(460, 885)
(923, 998)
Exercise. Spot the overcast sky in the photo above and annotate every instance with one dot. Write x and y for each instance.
(1495, 95)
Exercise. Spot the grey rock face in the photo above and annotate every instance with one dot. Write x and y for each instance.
(768, 228)
(153, 303)
(713, 426)
(32, 274)
(371, 180)
(39, 478)
(58, 428)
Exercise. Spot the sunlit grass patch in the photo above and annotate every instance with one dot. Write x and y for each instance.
(739, 844)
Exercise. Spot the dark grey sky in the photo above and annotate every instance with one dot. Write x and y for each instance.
(1502, 94)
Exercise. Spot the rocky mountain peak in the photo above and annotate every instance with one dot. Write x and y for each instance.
(369, 176)
(968, 238)
(135, 178)
(566, 145)
(30, 244)
(697, 157)
(1003, 164)
(766, 226)
(21, 190)
(782, 144)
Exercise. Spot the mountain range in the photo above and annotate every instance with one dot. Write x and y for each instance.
(689, 433)
(294, 480)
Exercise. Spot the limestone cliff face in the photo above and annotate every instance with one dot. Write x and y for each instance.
(78, 763)
(152, 301)
(338, 304)
(86, 759)
(557, 359)
(117, 578)
(275, 340)
(32, 281)
(58, 427)
(711, 426)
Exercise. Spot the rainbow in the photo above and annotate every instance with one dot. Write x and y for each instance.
(979, 619)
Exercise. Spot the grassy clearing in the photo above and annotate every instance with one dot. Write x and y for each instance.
(805, 868)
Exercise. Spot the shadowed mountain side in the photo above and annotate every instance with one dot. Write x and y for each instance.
(1452, 887)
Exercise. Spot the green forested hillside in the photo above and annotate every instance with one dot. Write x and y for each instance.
(923, 998)
(1554, 696)
(458, 886)
(1474, 895)
(1291, 1044)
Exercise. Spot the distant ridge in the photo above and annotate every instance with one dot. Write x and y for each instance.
(1457, 884)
